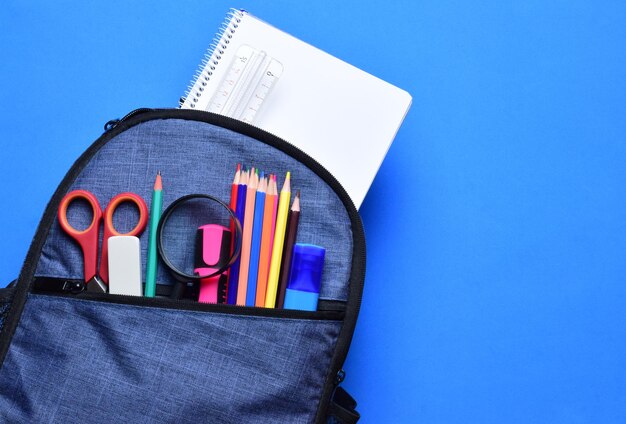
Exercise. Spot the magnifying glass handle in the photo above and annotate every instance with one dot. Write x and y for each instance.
(178, 290)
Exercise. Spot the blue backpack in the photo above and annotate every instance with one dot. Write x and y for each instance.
(75, 356)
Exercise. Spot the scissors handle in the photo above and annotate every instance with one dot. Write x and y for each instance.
(109, 229)
(87, 239)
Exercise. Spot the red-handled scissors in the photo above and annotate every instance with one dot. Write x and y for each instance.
(88, 238)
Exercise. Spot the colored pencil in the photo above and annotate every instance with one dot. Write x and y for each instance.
(155, 216)
(233, 205)
(234, 187)
(290, 241)
(279, 240)
(275, 189)
(274, 213)
(266, 244)
(233, 281)
(244, 264)
(255, 249)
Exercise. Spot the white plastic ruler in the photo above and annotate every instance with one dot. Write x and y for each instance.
(246, 85)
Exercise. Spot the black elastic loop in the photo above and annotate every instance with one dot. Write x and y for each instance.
(111, 124)
(342, 408)
(178, 274)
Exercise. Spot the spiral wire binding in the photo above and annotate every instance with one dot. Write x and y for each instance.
(212, 57)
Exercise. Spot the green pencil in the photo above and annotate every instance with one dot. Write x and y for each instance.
(155, 216)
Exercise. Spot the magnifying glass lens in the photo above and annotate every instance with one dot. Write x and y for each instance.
(180, 232)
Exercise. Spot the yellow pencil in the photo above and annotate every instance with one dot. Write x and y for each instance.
(279, 240)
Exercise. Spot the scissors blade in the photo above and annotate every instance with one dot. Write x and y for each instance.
(95, 285)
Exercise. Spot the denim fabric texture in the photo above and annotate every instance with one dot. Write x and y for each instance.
(196, 157)
(78, 361)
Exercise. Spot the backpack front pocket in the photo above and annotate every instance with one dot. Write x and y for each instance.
(76, 360)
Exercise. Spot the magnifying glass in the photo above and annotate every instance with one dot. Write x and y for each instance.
(195, 242)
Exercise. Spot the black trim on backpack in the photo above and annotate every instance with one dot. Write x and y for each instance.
(138, 116)
(6, 297)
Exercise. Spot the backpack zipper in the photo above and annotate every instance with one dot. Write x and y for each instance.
(62, 287)
(114, 122)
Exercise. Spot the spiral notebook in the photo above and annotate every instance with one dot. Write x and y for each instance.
(340, 115)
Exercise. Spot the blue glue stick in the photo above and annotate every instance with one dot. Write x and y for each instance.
(305, 278)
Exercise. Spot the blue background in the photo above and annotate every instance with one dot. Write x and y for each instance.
(496, 228)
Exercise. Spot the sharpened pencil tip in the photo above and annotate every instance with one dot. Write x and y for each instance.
(296, 202)
(287, 183)
(158, 183)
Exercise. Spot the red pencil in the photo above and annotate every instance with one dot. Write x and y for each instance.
(233, 188)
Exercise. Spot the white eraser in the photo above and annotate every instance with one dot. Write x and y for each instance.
(125, 265)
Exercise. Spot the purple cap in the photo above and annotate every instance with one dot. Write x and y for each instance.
(307, 265)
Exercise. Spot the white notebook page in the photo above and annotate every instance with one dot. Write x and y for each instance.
(338, 114)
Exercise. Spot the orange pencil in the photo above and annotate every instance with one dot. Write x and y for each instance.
(244, 263)
(266, 243)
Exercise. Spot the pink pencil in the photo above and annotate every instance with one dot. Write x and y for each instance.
(274, 209)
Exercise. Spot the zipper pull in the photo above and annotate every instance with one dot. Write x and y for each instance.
(111, 124)
(73, 287)
(341, 375)
(58, 285)
(115, 122)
